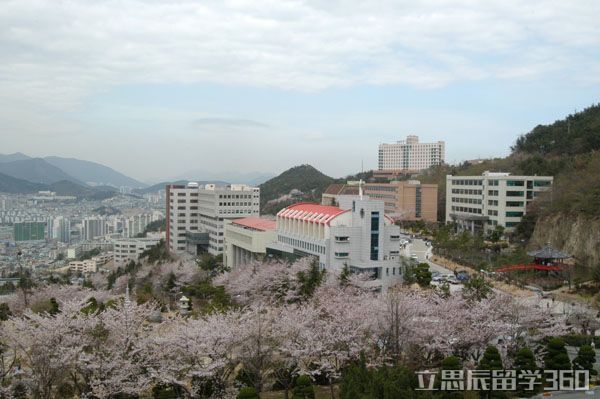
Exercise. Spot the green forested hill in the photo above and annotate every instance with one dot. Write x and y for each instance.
(576, 134)
(304, 178)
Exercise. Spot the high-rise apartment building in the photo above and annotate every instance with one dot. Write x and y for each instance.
(410, 156)
(480, 203)
(59, 229)
(403, 200)
(29, 231)
(93, 227)
(196, 214)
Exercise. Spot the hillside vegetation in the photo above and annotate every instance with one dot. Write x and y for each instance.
(275, 193)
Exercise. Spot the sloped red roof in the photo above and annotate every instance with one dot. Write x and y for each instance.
(256, 223)
(311, 212)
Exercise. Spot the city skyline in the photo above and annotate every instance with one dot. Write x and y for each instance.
(288, 83)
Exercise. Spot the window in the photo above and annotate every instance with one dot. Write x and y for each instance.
(493, 192)
(374, 236)
(514, 214)
(542, 183)
(341, 255)
(342, 238)
(515, 193)
(515, 183)
(514, 203)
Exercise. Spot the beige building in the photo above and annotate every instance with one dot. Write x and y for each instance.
(403, 200)
(246, 240)
(84, 266)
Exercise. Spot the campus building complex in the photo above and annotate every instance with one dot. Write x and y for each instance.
(410, 156)
(196, 214)
(356, 233)
(403, 200)
(480, 203)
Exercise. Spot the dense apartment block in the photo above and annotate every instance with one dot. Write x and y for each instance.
(246, 240)
(196, 214)
(403, 200)
(357, 233)
(410, 156)
(480, 203)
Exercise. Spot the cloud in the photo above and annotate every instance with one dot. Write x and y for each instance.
(55, 54)
(228, 123)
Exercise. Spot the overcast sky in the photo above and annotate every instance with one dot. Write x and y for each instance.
(158, 88)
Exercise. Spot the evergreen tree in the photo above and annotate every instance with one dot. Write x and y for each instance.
(303, 388)
(54, 308)
(476, 289)
(556, 356)
(423, 275)
(5, 312)
(586, 357)
(449, 363)
(344, 275)
(248, 393)
(525, 362)
(491, 360)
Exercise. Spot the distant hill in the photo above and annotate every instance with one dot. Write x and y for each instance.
(308, 182)
(87, 171)
(12, 185)
(250, 178)
(17, 156)
(36, 170)
(161, 186)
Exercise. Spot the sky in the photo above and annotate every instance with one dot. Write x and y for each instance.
(158, 89)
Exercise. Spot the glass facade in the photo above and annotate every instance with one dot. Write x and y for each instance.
(374, 235)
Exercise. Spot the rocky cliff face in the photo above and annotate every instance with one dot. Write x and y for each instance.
(577, 235)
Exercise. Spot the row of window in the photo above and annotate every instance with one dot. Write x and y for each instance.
(466, 209)
(461, 200)
(466, 191)
(309, 246)
(467, 182)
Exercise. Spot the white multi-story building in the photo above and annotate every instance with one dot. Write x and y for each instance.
(480, 203)
(410, 156)
(59, 229)
(356, 234)
(196, 214)
(130, 249)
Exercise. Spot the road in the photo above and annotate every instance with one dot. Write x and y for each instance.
(423, 252)
(595, 393)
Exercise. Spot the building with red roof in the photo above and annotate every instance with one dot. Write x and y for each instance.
(246, 240)
(357, 234)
